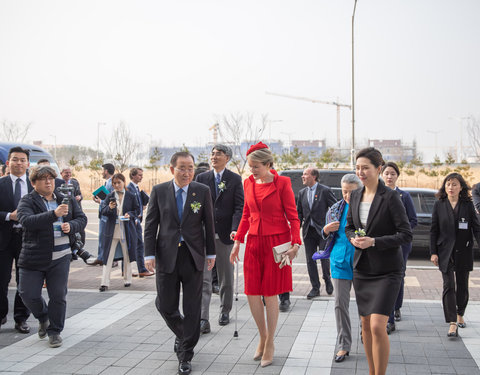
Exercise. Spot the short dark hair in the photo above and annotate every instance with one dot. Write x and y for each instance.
(315, 173)
(223, 148)
(18, 149)
(464, 193)
(119, 176)
(372, 154)
(134, 172)
(203, 165)
(393, 165)
(42, 171)
(180, 154)
(40, 161)
(109, 168)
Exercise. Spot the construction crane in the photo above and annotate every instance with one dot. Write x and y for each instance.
(214, 127)
(338, 105)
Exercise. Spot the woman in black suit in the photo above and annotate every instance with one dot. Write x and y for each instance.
(377, 225)
(454, 223)
(121, 208)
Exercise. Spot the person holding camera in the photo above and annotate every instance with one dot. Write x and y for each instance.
(121, 208)
(47, 220)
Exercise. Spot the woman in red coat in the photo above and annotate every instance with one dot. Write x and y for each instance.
(270, 218)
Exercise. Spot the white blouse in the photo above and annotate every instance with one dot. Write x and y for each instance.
(364, 210)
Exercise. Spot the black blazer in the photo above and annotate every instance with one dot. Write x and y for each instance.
(322, 201)
(388, 223)
(7, 205)
(141, 197)
(446, 237)
(37, 222)
(228, 205)
(163, 227)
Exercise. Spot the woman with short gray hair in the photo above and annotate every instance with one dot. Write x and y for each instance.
(341, 251)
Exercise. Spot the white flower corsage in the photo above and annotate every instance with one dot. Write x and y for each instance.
(222, 186)
(196, 207)
(360, 232)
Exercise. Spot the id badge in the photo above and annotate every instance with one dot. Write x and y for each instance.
(463, 224)
(57, 229)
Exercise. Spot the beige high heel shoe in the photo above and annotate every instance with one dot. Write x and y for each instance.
(267, 358)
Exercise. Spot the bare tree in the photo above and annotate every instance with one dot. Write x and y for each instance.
(474, 135)
(15, 132)
(236, 128)
(121, 147)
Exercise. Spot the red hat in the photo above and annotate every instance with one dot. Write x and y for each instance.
(256, 147)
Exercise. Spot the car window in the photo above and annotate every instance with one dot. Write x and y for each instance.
(427, 201)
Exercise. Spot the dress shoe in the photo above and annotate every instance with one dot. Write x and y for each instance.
(390, 328)
(97, 262)
(176, 345)
(103, 288)
(341, 358)
(215, 289)
(54, 341)
(284, 305)
(267, 358)
(398, 315)
(126, 285)
(115, 264)
(462, 325)
(329, 287)
(453, 333)
(313, 293)
(42, 329)
(460, 322)
(184, 368)
(204, 326)
(224, 319)
(22, 327)
(146, 273)
(134, 274)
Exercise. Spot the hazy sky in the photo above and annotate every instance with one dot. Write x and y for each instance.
(168, 68)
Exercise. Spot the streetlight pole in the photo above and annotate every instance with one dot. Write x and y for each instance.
(435, 133)
(352, 156)
(98, 136)
(55, 146)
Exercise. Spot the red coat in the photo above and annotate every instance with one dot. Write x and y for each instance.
(277, 212)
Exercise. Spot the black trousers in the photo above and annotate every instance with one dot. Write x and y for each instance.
(187, 326)
(7, 257)
(455, 297)
(313, 241)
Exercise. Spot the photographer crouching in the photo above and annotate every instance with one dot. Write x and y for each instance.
(47, 223)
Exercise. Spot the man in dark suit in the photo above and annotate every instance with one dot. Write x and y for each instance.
(12, 188)
(313, 203)
(227, 194)
(66, 174)
(136, 176)
(179, 235)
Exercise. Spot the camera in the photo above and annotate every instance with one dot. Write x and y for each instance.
(67, 191)
(79, 252)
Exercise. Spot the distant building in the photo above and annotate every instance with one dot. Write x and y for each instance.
(314, 147)
(394, 150)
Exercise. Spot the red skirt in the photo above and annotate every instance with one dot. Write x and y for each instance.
(261, 274)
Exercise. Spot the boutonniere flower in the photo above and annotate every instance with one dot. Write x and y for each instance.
(360, 232)
(222, 186)
(196, 207)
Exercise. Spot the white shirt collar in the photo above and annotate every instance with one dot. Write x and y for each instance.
(14, 178)
(314, 187)
(185, 188)
(219, 173)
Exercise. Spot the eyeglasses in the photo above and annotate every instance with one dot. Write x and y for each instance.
(49, 178)
(185, 170)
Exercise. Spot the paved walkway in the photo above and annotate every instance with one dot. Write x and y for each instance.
(122, 333)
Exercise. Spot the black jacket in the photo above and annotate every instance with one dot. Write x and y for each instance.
(228, 205)
(445, 234)
(322, 201)
(37, 222)
(388, 223)
(6, 206)
(163, 227)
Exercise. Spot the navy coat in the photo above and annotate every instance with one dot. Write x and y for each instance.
(130, 206)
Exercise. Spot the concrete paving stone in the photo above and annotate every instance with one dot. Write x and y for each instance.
(324, 363)
(161, 355)
(463, 362)
(467, 371)
(150, 363)
(83, 359)
(417, 368)
(117, 353)
(317, 371)
(296, 362)
(224, 368)
(226, 358)
(245, 368)
(144, 371)
(441, 360)
(442, 369)
(104, 361)
(91, 370)
(127, 362)
(293, 370)
(139, 354)
(459, 353)
(204, 357)
(269, 370)
(115, 370)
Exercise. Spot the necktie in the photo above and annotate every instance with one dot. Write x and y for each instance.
(217, 182)
(180, 203)
(310, 197)
(139, 198)
(18, 192)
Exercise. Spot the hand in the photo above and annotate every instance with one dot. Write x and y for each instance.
(234, 253)
(434, 259)
(112, 205)
(127, 216)
(150, 264)
(61, 210)
(210, 263)
(233, 234)
(362, 242)
(331, 227)
(65, 227)
(97, 200)
(78, 198)
(292, 252)
(13, 216)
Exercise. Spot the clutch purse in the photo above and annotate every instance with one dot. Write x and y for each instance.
(279, 254)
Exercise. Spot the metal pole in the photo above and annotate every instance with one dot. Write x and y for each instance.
(235, 334)
(352, 157)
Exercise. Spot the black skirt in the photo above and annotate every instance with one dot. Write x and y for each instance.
(376, 294)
